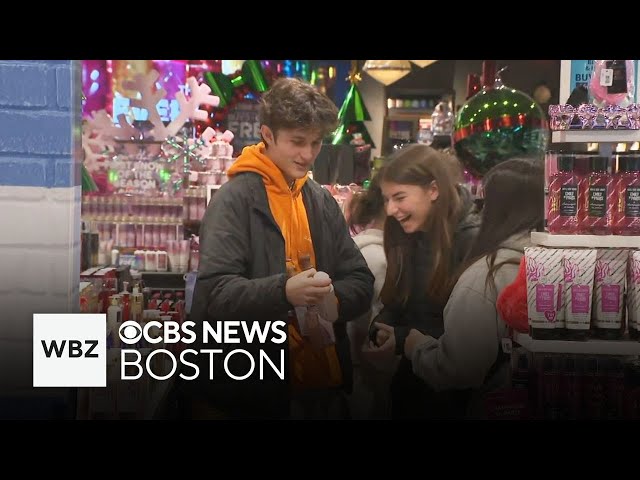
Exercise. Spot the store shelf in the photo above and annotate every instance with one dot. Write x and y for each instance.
(164, 280)
(587, 347)
(408, 113)
(172, 223)
(600, 136)
(545, 239)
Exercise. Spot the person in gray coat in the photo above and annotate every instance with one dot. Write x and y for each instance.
(468, 355)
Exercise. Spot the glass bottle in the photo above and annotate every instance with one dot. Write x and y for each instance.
(442, 119)
(582, 168)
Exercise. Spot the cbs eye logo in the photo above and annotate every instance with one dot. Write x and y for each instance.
(130, 332)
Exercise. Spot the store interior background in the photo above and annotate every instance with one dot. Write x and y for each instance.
(444, 78)
(450, 76)
(47, 92)
(41, 192)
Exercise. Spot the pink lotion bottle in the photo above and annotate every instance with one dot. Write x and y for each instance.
(562, 217)
(627, 211)
(600, 198)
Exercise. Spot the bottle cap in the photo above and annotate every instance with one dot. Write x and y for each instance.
(565, 163)
(630, 163)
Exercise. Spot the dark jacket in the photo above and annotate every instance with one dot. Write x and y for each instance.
(242, 276)
(411, 397)
(420, 312)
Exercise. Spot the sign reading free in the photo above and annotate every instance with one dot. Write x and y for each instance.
(243, 121)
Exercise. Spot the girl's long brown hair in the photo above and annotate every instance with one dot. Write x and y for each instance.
(513, 204)
(420, 165)
(368, 205)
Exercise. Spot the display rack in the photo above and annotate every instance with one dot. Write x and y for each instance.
(595, 136)
(587, 347)
(573, 379)
(545, 239)
(402, 123)
(622, 347)
(589, 136)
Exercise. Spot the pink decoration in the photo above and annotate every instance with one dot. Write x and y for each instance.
(96, 84)
(173, 76)
(601, 94)
(602, 271)
(208, 134)
(534, 270)
(199, 94)
(227, 136)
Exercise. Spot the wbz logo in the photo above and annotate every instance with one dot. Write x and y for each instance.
(69, 350)
(75, 348)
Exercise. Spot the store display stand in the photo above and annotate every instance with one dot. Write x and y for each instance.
(579, 379)
(591, 346)
(587, 347)
(545, 239)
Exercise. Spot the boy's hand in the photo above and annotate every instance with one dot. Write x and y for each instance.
(303, 289)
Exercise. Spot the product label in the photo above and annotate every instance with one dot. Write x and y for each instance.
(544, 274)
(545, 298)
(569, 200)
(610, 298)
(597, 201)
(606, 77)
(611, 266)
(580, 298)
(632, 202)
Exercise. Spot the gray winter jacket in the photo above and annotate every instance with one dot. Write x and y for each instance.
(467, 350)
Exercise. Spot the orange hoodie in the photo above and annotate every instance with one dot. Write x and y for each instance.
(309, 367)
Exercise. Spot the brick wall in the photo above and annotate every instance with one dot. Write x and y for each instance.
(40, 103)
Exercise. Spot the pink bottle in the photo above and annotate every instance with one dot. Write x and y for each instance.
(563, 205)
(582, 168)
(627, 212)
(600, 199)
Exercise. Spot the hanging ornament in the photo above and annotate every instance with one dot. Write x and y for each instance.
(353, 113)
(251, 75)
(498, 123)
(423, 63)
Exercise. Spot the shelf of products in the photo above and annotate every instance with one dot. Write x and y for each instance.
(406, 109)
(545, 239)
(579, 359)
(587, 347)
